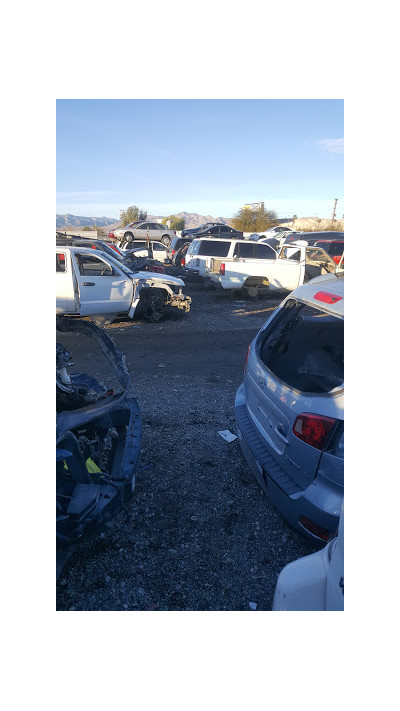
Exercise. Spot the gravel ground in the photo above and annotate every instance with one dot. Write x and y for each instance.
(199, 534)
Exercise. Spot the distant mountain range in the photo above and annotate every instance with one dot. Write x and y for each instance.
(192, 219)
(75, 221)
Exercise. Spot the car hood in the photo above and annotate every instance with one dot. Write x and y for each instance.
(162, 278)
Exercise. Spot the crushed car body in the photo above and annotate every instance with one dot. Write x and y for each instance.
(98, 442)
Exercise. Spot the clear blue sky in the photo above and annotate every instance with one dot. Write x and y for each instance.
(204, 156)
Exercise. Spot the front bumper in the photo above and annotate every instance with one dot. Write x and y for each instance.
(320, 502)
(181, 302)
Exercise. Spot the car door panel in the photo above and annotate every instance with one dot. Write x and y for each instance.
(108, 293)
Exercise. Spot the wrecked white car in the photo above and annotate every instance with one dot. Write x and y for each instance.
(292, 265)
(99, 286)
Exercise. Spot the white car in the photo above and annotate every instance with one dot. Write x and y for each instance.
(91, 283)
(204, 256)
(315, 582)
(275, 231)
(139, 249)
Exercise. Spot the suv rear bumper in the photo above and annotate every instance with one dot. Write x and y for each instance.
(320, 502)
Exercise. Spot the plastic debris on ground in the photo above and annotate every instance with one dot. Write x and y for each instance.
(227, 435)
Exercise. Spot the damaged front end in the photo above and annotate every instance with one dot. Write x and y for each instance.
(98, 441)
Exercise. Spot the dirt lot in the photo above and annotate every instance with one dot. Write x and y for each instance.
(198, 534)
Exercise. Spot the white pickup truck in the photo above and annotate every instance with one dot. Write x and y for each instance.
(295, 264)
(99, 286)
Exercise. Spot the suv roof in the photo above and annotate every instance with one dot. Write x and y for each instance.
(221, 239)
(322, 287)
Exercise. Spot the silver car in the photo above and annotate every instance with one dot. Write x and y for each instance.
(153, 230)
(290, 409)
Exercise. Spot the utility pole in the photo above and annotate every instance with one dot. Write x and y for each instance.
(334, 209)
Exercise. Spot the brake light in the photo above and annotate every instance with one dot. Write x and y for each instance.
(173, 252)
(313, 429)
(327, 297)
(183, 262)
(222, 269)
(247, 358)
(313, 527)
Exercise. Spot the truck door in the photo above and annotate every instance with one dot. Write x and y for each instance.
(288, 270)
(67, 301)
(103, 287)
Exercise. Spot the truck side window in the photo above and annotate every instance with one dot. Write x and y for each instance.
(265, 252)
(92, 266)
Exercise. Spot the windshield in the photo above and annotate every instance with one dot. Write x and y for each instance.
(116, 263)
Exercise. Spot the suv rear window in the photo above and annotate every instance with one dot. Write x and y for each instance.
(303, 347)
(332, 248)
(214, 249)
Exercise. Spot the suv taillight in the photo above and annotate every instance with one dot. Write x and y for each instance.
(222, 269)
(247, 358)
(173, 252)
(313, 429)
(183, 262)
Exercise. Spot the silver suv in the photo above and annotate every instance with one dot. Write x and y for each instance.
(290, 407)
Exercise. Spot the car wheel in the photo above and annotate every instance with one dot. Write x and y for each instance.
(128, 237)
(165, 239)
(156, 313)
(252, 292)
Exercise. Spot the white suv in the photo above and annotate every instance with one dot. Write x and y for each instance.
(205, 256)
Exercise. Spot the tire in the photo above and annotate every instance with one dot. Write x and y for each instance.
(128, 237)
(252, 292)
(166, 240)
(156, 314)
(153, 305)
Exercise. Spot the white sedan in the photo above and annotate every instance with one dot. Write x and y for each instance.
(160, 252)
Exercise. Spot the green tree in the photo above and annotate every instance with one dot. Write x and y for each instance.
(248, 220)
(131, 214)
(177, 223)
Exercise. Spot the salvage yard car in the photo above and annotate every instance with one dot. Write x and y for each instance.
(257, 268)
(140, 249)
(201, 252)
(97, 285)
(315, 582)
(290, 407)
(153, 230)
(98, 439)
